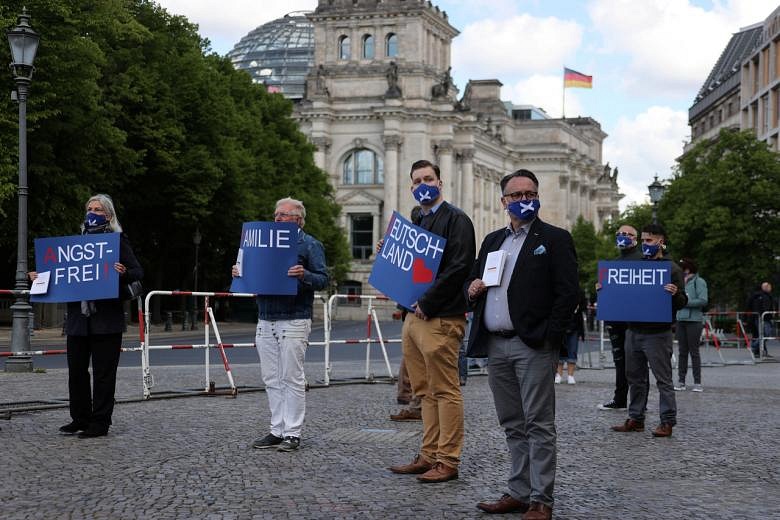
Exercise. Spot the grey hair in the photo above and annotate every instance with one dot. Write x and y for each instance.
(294, 202)
(108, 207)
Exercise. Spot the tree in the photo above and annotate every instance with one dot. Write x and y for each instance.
(722, 210)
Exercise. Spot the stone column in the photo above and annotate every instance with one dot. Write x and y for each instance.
(466, 156)
(392, 145)
(451, 182)
(320, 154)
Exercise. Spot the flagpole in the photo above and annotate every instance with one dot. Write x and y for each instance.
(563, 104)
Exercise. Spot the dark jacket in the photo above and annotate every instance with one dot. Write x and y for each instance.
(109, 317)
(759, 302)
(543, 291)
(679, 300)
(445, 297)
(311, 255)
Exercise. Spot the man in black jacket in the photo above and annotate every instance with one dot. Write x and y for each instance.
(433, 332)
(651, 344)
(520, 325)
(760, 302)
(626, 240)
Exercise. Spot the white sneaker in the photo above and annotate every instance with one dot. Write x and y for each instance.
(557, 379)
(697, 388)
(680, 387)
(571, 380)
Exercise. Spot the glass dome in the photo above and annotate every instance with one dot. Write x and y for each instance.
(278, 54)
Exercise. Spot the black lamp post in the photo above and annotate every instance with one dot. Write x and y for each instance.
(24, 44)
(656, 190)
(196, 238)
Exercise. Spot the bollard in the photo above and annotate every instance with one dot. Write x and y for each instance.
(64, 321)
(168, 321)
(184, 320)
(194, 320)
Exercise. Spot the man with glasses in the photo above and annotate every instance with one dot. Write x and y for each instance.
(626, 242)
(283, 327)
(520, 326)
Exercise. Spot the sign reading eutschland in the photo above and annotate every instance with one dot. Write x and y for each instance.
(408, 261)
(634, 291)
(267, 251)
(79, 267)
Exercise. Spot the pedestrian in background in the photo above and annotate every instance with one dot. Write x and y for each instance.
(690, 322)
(760, 302)
(574, 333)
(94, 329)
(283, 327)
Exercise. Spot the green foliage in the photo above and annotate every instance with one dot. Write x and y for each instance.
(127, 100)
(722, 209)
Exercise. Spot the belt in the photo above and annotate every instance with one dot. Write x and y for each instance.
(503, 333)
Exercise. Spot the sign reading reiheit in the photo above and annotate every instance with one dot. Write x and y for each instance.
(80, 267)
(634, 291)
(267, 251)
(408, 261)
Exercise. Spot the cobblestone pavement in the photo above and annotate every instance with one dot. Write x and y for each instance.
(189, 458)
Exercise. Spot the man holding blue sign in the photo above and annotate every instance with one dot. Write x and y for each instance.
(651, 343)
(432, 334)
(283, 327)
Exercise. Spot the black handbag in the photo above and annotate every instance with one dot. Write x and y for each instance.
(133, 290)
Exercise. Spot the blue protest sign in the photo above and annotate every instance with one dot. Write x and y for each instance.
(266, 251)
(408, 261)
(634, 291)
(79, 267)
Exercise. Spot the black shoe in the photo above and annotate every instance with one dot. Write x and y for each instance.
(612, 405)
(73, 427)
(94, 430)
(289, 444)
(269, 441)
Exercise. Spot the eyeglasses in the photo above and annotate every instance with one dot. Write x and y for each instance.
(521, 195)
(286, 215)
(625, 234)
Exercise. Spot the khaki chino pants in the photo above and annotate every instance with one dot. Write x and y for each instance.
(430, 349)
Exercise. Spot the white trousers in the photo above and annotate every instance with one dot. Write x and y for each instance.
(281, 346)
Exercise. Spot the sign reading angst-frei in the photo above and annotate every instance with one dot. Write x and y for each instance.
(78, 268)
(408, 261)
(634, 291)
(266, 251)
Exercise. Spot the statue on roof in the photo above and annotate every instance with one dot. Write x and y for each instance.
(393, 90)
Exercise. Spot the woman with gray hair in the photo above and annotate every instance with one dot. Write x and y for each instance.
(94, 329)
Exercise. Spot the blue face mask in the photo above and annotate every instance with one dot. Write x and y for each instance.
(94, 221)
(524, 209)
(650, 250)
(624, 242)
(426, 194)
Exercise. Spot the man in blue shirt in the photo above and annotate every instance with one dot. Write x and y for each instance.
(283, 327)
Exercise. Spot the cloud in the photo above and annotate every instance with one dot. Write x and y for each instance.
(671, 44)
(545, 92)
(644, 146)
(521, 44)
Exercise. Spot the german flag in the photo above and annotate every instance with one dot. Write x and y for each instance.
(574, 79)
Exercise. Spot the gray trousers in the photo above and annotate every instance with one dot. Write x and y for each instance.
(688, 338)
(521, 379)
(654, 349)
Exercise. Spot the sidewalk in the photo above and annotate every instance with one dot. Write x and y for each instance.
(192, 458)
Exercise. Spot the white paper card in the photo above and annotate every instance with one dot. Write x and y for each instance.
(239, 261)
(41, 283)
(494, 268)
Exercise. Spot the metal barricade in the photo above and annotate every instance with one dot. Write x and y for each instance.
(718, 331)
(762, 337)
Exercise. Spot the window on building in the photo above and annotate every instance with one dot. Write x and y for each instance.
(362, 235)
(352, 289)
(368, 47)
(362, 166)
(391, 45)
(345, 52)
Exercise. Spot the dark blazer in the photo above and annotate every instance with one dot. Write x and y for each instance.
(543, 289)
(110, 315)
(445, 298)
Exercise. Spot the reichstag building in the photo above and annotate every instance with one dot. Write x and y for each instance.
(373, 91)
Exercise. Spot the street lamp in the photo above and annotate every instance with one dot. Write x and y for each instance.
(656, 190)
(196, 238)
(24, 44)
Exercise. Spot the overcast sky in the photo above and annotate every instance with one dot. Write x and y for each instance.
(648, 59)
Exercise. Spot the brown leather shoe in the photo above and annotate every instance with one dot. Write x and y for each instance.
(407, 415)
(505, 504)
(630, 425)
(417, 466)
(439, 473)
(663, 430)
(538, 511)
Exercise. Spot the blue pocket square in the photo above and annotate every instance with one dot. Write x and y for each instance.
(540, 250)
